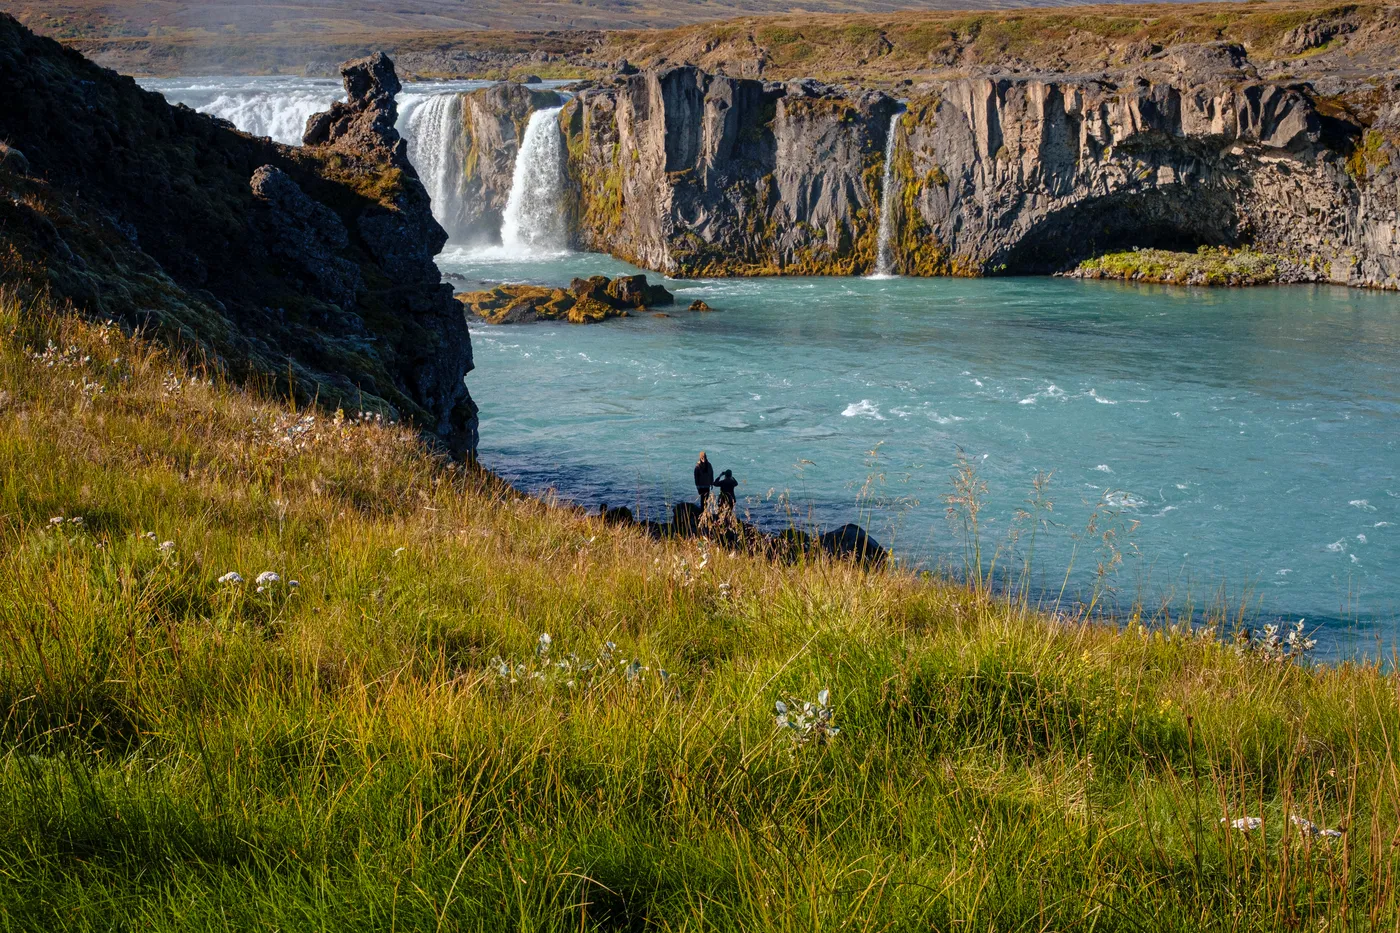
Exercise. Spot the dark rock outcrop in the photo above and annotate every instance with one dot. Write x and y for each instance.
(308, 235)
(697, 174)
(585, 301)
(852, 542)
(365, 120)
(309, 269)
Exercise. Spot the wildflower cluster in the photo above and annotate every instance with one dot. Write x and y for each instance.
(291, 432)
(571, 671)
(266, 582)
(687, 573)
(1305, 827)
(805, 722)
(58, 521)
(164, 547)
(54, 357)
(1275, 644)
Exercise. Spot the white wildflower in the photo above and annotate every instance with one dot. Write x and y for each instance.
(266, 578)
(233, 576)
(166, 547)
(1244, 824)
(1309, 828)
(56, 520)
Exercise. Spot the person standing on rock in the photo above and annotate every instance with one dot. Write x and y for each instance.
(704, 479)
(726, 484)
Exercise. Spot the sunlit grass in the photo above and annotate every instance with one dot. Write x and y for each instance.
(372, 749)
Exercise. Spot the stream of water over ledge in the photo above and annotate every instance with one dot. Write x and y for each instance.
(1204, 447)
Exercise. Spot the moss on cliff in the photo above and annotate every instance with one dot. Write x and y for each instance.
(915, 249)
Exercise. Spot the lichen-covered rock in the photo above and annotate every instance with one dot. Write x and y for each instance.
(1033, 174)
(586, 301)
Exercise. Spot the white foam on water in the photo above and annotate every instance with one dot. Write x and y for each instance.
(1337, 547)
(1362, 504)
(281, 115)
(1361, 538)
(1104, 468)
(865, 408)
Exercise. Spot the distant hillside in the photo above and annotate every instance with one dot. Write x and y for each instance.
(170, 19)
(443, 38)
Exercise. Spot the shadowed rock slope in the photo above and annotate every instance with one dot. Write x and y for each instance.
(310, 268)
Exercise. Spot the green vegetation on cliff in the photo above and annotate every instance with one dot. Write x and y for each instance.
(380, 737)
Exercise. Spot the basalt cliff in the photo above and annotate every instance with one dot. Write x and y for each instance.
(308, 269)
(692, 173)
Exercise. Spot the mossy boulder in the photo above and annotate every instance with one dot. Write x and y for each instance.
(585, 301)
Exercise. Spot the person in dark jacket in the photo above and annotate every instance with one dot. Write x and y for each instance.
(726, 484)
(704, 479)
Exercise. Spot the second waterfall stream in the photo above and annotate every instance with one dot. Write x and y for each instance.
(884, 260)
(534, 218)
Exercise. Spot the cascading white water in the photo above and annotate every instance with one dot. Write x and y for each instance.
(432, 126)
(280, 114)
(533, 221)
(883, 258)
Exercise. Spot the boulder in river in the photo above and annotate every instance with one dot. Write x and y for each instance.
(585, 301)
(851, 541)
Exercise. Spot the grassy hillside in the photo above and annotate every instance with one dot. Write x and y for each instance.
(156, 18)
(870, 42)
(888, 47)
(389, 743)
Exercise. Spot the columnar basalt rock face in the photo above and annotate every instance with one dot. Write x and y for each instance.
(494, 122)
(1031, 174)
(307, 269)
(692, 173)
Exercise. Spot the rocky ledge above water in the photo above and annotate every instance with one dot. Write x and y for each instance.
(585, 301)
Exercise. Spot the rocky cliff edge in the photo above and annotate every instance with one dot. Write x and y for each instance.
(306, 269)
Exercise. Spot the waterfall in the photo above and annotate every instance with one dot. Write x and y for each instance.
(281, 114)
(533, 221)
(432, 126)
(883, 260)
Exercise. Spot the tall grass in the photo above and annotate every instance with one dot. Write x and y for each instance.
(388, 745)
